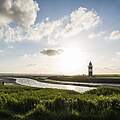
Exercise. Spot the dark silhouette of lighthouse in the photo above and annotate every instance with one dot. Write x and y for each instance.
(90, 69)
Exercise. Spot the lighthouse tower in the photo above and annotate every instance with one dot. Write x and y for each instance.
(90, 69)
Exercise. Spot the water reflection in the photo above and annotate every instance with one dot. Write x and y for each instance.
(34, 83)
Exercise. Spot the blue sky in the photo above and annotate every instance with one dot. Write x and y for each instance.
(42, 36)
(107, 9)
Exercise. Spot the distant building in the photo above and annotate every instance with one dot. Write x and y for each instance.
(90, 69)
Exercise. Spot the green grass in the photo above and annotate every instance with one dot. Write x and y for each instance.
(26, 103)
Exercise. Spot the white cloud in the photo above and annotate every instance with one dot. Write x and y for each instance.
(21, 12)
(115, 35)
(9, 34)
(96, 35)
(52, 31)
(79, 20)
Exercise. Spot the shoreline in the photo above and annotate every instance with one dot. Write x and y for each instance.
(12, 81)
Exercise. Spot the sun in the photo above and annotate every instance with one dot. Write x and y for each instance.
(71, 61)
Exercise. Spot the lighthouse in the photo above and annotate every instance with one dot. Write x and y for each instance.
(90, 69)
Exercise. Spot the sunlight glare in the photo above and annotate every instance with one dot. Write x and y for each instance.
(71, 61)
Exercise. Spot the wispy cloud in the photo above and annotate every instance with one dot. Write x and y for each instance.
(52, 31)
(112, 68)
(96, 35)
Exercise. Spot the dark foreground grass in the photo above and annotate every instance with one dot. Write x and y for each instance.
(26, 103)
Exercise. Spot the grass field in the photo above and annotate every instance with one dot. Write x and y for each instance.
(93, 79)
(26, 103)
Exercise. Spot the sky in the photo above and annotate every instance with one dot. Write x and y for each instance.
(59, 36)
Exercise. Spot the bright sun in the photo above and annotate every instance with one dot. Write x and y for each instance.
(71, 61)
